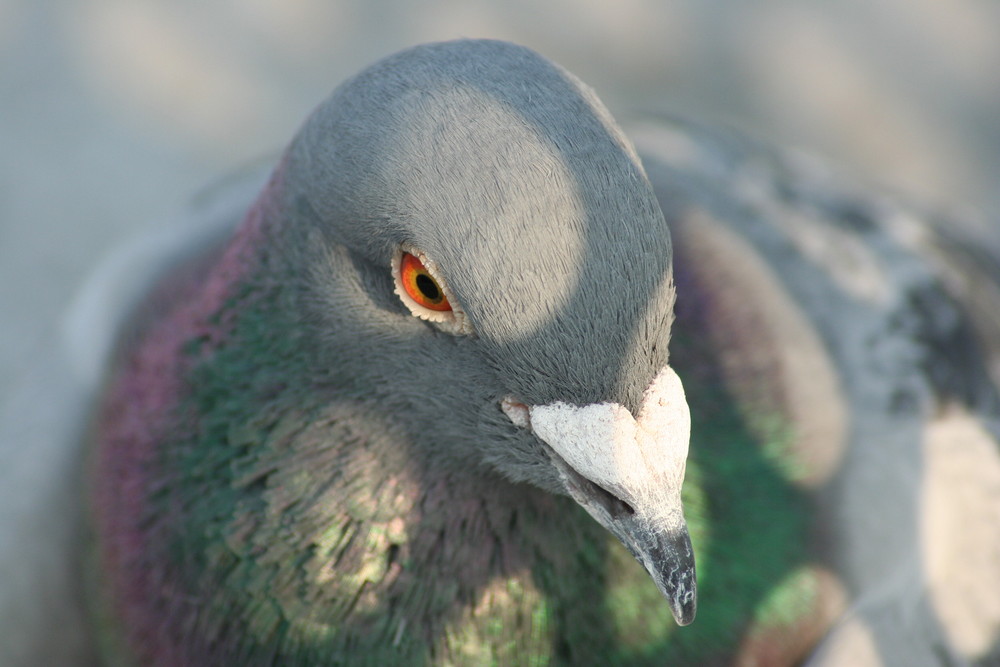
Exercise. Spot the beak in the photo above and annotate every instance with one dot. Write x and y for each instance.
(663, 546)
(627, 473)
(672, 567)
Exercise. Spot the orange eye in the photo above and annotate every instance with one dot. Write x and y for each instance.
(420, 285)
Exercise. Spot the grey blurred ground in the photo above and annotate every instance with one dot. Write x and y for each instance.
(114, 112)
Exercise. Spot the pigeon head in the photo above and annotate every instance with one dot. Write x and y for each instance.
(476, 248)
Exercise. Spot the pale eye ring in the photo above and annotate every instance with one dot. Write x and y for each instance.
(420, 287)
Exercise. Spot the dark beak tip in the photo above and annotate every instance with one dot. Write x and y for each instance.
(684, 612)
(677, 578)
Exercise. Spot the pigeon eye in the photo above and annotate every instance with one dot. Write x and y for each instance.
(420, 285)
(423, 291)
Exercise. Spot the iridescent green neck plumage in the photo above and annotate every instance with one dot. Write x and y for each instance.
(284, 521)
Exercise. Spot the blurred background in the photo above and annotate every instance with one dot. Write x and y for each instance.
(113, 113)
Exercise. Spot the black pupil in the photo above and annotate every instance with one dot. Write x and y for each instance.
(428, 287)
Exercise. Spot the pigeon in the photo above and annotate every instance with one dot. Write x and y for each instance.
(464, 381)
(340, 437)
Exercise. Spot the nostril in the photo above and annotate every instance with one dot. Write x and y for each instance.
(516, 411)
(520, 415)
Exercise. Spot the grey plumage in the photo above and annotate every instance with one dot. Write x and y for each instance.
(513, 156)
